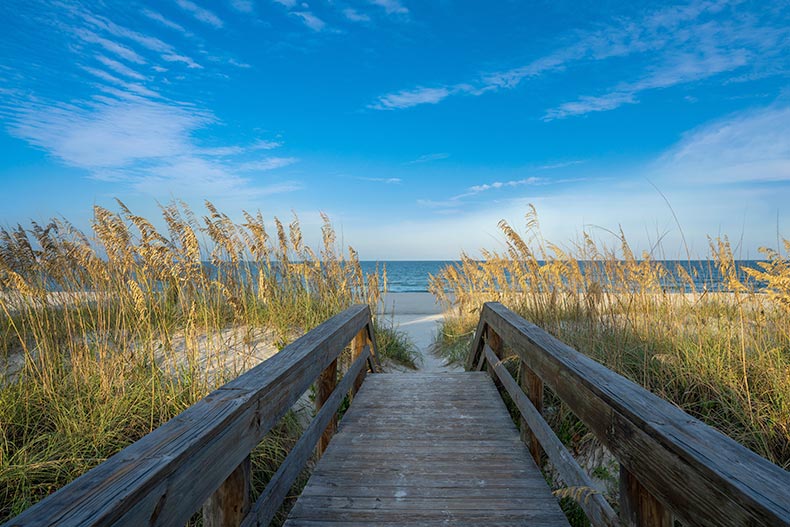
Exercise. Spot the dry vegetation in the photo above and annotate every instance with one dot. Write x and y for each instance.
(117, 332)
(724, 357)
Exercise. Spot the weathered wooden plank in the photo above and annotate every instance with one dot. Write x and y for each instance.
(532, 385)
(276, 490)
(638, 508)
(375, 364)
(703, 476)
(598, 511)
(357, 346)
(231, 501)
(477, 346)
(483, 516)
(166, 476)
(460, 466)
(494, 490)
(324, 388)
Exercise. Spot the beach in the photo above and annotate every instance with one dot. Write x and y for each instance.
(420, 317)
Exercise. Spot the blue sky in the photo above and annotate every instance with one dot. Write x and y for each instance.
(416, 126)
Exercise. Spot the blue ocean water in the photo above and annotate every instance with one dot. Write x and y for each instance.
(412, 276)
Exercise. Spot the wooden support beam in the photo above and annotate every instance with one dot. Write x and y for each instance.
(494, 341)
(702, 476)
(326, 384)
(533, 387)
(228, 506)
(357, 346)
(639, 508)
(373, 360)
(594, 505)
(276, 490)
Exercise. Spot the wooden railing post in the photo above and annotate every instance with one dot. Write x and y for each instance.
(326, 384)
(494, 342)
(228, 506)
(357, 346)
(533, 387)
(639, 508)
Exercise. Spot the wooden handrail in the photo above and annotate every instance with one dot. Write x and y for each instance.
(166, 476)
(671, 462)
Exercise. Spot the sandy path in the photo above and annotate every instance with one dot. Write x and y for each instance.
(420, 317)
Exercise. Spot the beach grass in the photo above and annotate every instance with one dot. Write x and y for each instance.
(106, 335)
(722, 356)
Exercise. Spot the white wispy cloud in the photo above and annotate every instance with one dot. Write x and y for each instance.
(113, 47)
(427, 158)
(391, 6)
(562, 164)
(409, 98)
(120, 68)
(477, 189)
(129, 128)
(108, 27)
(456, 201)
(266, 164)
(586, 104)
(131, 87)
(310, 20)
(175, 57)
(748, 147)
(158, 17)
(676, 45)
(355, 16)
(243, 6)
(200, 13)
(388, 180)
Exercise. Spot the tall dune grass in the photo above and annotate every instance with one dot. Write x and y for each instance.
(724, 357)
(117, 331)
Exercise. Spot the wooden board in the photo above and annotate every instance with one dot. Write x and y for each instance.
(166, 476)
(426, 449)
(704, 477)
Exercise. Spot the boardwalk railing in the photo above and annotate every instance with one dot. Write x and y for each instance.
(200, 458)
(671, 463)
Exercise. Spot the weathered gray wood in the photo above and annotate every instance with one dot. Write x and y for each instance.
(598, 511)
(324, 388)
(532, 385)
(704, 477)
(494, 342)
(167, 475)
(357, 346)
(277, 489)
(231, 501)
(476, 348)
(392, 463)
(638, 508)
(375, 364)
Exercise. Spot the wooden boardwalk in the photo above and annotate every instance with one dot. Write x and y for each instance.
(426, 449)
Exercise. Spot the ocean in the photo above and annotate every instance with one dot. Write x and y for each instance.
(412, 276)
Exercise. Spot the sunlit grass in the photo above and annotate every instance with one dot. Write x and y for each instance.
(724, 357)
(117, 331)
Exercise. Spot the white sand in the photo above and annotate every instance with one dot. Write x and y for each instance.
(420, 317)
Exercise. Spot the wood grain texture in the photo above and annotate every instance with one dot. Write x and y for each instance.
(357, 345)
(277, 489)
(638, 508)
(324, 388)
(426, 449)
(167, 475)
(701, 475)
(532, 385)
(598, 511)
(230, 503)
